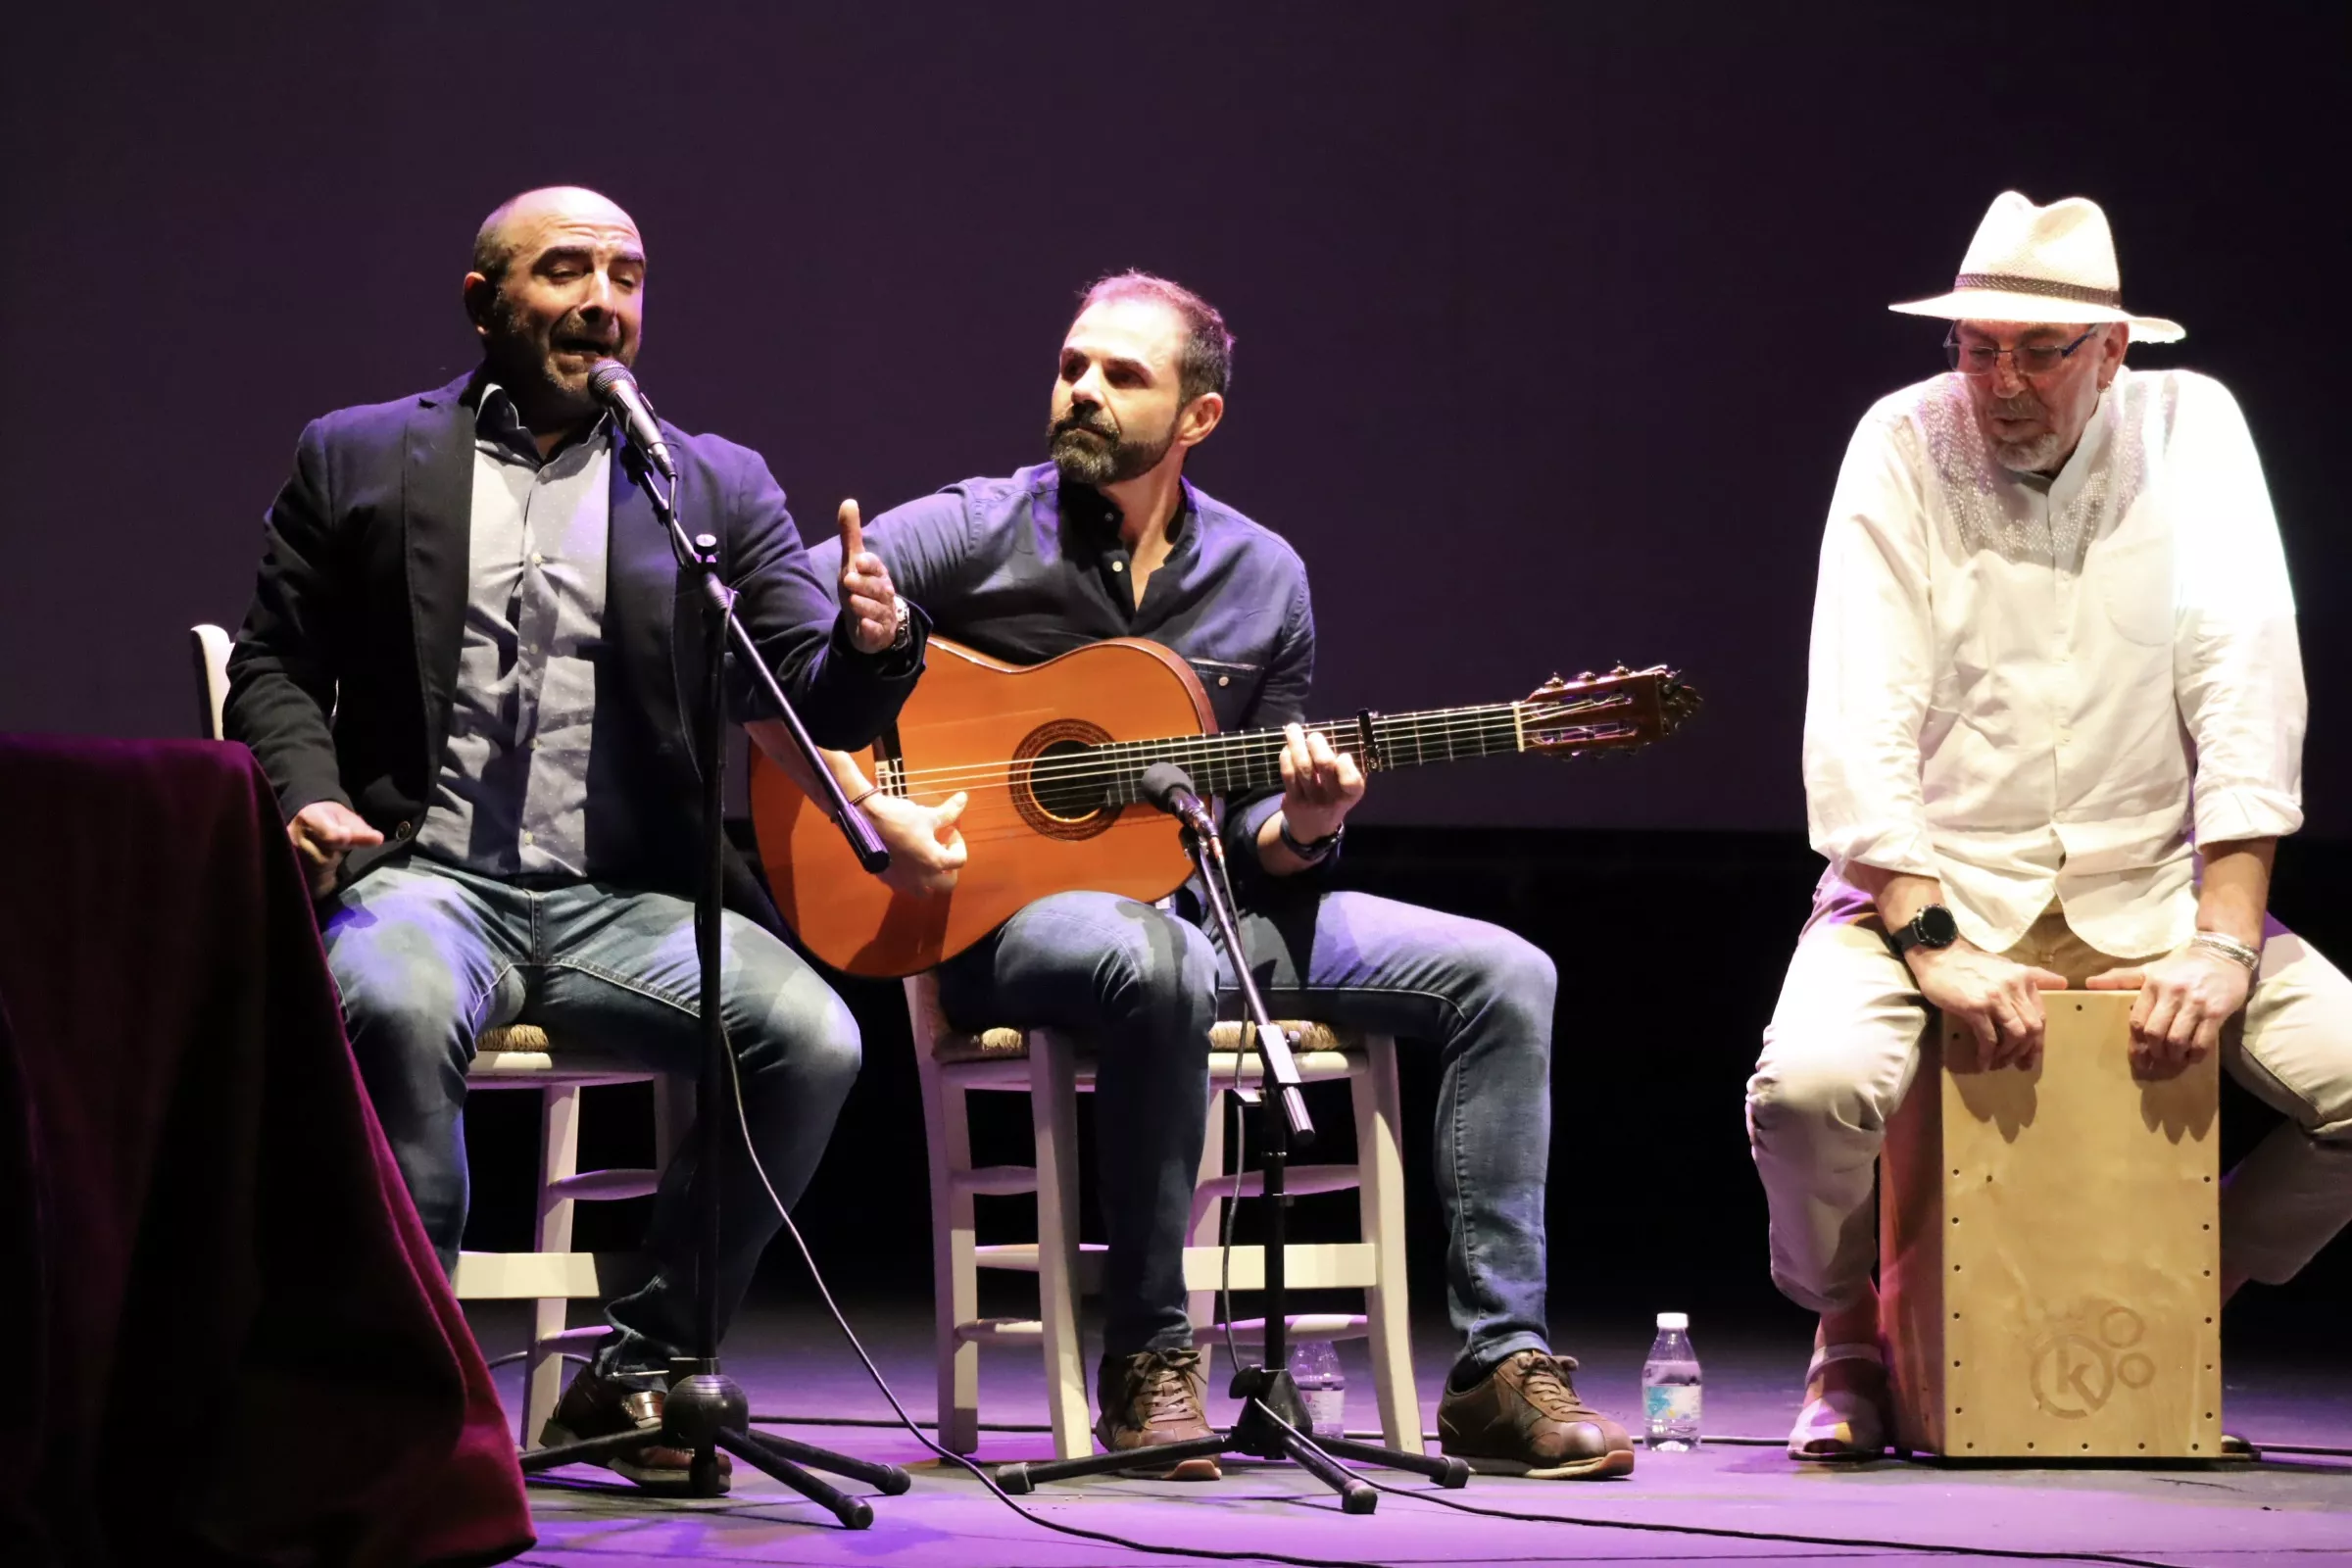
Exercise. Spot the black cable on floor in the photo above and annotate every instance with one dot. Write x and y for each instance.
(1726, 1532)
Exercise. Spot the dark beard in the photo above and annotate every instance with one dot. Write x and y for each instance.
(1088, 456)
(519, 362)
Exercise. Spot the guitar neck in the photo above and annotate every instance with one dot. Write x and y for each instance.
(1251, 760)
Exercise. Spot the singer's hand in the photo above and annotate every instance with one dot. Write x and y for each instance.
(868, 599)
(323, 833)
(1320, 785)
(927, 849)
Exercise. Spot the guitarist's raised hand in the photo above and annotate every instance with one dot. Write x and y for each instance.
(877, 620)
(927, 849)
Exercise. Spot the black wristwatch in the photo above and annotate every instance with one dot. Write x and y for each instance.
(1311, 851)
(1932, 927)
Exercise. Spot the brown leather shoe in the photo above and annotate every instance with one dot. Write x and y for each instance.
(1525, 1419)
(1150, 1399)
(594, 1408)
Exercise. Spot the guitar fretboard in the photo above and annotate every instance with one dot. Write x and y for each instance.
(1251, 760)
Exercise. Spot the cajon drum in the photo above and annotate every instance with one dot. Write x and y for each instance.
(2049, 1249)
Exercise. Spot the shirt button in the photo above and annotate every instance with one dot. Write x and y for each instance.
(526, 835)
(538, 560)
(534, 743)
(1224, 680)
(1118, 565)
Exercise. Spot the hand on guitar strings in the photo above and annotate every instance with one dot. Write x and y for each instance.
(926, 848)
(867, 598)
(1320, 784)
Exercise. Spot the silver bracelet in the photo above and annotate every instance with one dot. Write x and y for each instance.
(2229, 947)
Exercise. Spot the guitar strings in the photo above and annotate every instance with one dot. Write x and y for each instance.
(1084, 769)
(1260, 746)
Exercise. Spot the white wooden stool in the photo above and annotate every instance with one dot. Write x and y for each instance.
(550, 1275)
(2051, 1250)
(953, 1064)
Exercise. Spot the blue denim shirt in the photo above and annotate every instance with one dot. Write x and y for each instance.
(1023, 570)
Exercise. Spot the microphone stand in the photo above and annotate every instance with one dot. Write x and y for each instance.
(1274, 1422)
(706, 1410)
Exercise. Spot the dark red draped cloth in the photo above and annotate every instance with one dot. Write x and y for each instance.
(226, 1339)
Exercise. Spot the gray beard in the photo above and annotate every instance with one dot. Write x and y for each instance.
(2028, 456)
(1097, 464)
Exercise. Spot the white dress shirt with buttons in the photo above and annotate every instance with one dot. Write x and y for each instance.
(2039, 690)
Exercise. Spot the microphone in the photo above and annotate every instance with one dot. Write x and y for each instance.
(612, 384)
(1170, 788)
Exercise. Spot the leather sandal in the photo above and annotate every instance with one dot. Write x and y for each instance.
(1842, 1426)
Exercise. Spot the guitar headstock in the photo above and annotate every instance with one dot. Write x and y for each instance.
(1619, 709)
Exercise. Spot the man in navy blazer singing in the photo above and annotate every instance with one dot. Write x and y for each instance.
(470, 671)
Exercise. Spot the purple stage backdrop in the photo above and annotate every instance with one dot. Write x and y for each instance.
(1554, 319)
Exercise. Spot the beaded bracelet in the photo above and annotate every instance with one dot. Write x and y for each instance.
(2229, 947)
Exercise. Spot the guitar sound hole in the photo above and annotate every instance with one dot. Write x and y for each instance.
(1065, 789)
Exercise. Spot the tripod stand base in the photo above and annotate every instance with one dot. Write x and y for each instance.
(1272, 1426)
(705, 1414)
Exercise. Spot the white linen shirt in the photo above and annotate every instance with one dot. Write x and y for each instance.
(2033, 691)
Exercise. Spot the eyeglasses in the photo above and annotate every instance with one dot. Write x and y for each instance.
(2033, 359)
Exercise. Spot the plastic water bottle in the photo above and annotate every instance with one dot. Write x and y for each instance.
(1315, 1368)
(1670, 1386)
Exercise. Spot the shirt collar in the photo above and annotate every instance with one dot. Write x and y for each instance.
(496, 422)
(1099, 517)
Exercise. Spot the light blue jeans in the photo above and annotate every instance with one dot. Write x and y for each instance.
(1143, 986)
(427, 957)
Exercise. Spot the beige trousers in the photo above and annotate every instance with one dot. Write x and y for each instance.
(1845, 1044)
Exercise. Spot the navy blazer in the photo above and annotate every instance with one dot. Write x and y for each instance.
(359, 612)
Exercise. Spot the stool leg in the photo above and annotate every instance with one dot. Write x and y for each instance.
(1201, 1305)
(673, 1117)
(1053, 1116)
(1379, 1196)
(558, 1158)
(954, 1273)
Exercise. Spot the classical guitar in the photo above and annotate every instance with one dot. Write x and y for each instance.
(1050, 757)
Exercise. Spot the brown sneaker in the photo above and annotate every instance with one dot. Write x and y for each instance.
(1150, 1399)
(594, 1408)
(1524, 1419)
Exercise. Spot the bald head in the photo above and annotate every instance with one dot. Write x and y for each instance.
(501, 235)
(557, 283)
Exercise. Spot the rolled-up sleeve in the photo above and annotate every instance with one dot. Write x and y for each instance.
(2237, 669)
(1871, 668)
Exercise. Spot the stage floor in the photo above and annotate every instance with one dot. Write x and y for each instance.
(2292, 1508)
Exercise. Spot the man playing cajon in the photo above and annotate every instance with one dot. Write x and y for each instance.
(2053, 659)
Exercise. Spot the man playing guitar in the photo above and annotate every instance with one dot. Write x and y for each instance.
(1108, 540)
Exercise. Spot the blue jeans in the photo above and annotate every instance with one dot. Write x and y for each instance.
(427, 957)
(1143, 986)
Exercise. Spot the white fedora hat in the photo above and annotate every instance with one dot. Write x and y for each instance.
(2053, 265)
